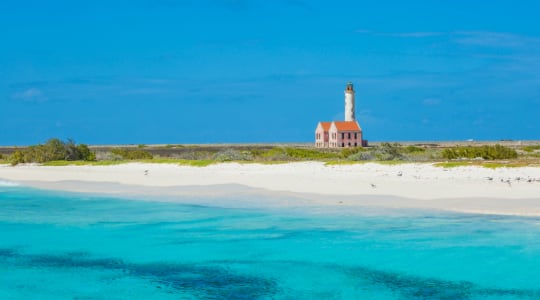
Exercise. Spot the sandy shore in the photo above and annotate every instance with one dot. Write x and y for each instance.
(465, 189)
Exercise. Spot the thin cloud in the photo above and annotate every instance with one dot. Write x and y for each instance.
(413, 34)
(419, 34)
(30, 95)
(494, 39)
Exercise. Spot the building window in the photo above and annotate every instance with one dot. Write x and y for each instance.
(349, 136)
(355, 144)
(355, 136)
(342, 144)
(349, 144)
(343, 135)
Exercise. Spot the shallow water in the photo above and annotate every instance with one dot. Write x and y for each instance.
(57, 245)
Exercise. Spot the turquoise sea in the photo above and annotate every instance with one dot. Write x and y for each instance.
(57, 245)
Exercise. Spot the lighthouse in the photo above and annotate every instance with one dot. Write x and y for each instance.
(349, 102)
(341, 134)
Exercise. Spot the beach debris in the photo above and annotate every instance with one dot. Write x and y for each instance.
(400, 174)
(509, 182)
(145, 172)
(373, 186)
(489, 178)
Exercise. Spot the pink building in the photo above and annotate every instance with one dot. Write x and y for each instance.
(338, 134)
(322, 134)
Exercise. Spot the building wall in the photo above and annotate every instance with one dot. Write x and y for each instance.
(321, 137)
(349, 138)
(338, 139)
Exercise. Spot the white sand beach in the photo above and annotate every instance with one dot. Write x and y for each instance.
(514, 191)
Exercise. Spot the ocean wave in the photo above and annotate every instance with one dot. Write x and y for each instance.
(8, 183)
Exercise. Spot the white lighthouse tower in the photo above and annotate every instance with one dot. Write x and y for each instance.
(349, 102)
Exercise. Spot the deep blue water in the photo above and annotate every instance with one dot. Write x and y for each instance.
(57, 245)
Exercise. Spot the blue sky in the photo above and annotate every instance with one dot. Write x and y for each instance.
(202, 71)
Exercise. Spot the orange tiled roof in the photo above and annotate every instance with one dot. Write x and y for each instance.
(347, 126)
(326, 125)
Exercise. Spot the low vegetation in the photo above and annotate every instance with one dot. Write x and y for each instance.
(483, 152)
(490, 165)
(56, 152)
(126, 154)
(53, 150)
(390, 152)
(531, 149)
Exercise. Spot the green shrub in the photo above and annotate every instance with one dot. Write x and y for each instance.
(388, 151)
(361, 156)
(53, 150)
(347, 152)
(233, 155)
(16, 158)
(484, 152)
(85, 153)
(78, 152)
(257, 152)
(132, 154)
(275, 154)
(531, 148)
(413, 149)
(194, 155)
(309, 154)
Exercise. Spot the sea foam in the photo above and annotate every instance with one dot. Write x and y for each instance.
(8, 183)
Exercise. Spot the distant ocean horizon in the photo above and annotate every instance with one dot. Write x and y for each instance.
(509, 141)
(59, 245)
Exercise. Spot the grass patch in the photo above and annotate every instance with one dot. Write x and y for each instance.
(161, 160)
(180, 161)
(345, 162)
(452, 164)
(505, 165)
(391, 162)
(531, 148)
(132, 154)
(60, 163)
(309, 154)
(264, 162)
(355, 162)
(183, 162)
(490, 165)
(196, 163)
(490, 152)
